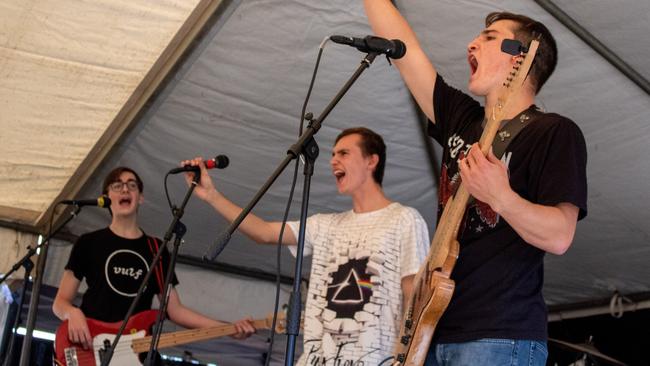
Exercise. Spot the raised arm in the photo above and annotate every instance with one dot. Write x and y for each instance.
(260, 231)
(415, 67)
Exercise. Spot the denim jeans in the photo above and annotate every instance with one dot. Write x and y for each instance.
(488, 352)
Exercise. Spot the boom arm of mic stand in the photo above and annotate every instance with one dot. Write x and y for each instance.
(293, 152)
(307, 146)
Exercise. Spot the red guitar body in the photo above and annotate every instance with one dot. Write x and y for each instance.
(73, 354)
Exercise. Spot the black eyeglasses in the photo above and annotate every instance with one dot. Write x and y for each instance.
(130, 184)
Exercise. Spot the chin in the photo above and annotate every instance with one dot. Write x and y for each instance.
(475, 89)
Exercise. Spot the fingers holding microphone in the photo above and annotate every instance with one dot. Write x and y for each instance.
(204, 187)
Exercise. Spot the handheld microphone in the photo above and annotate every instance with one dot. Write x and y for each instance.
(392, 48)
(101, 201)
(219, 162)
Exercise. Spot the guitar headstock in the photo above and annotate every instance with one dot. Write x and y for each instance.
(280, 324)
(515, 79)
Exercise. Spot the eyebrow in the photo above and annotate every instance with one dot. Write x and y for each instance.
(485, 32)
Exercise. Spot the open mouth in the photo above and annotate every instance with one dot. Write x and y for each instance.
(339, 174)
(473, 64)
(125, 201)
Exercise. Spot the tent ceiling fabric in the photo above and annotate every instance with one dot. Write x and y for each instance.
(68, 69)
(622, 26)
(241, 90)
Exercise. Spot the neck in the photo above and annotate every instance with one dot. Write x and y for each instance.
(369, 199)
(516, 104)
(126, 227)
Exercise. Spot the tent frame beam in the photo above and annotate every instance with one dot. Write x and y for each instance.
(595, 44)
(633, 302)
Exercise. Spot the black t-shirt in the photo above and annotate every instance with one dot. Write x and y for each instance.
(499, 276)
(114, 268)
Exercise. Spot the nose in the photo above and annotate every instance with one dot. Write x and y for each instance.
(124, 188)
(473, 45)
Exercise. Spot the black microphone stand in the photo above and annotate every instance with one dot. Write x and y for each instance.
(27, 263)
(36, 286)
(179, 229)
(306, 146)
(176, 227)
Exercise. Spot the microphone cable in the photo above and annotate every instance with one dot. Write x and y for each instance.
(278, 258)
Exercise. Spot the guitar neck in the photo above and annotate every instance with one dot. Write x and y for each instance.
(191, 335)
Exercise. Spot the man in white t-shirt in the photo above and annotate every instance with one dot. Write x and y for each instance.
(364, 259)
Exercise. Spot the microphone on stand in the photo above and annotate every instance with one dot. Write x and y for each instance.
(101, 201)
(219, 162)
(392, 48)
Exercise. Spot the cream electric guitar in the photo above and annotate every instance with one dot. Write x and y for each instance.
(135, 339)
(433, 286)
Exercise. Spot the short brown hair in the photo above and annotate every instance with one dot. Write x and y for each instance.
(114, 176)
(371, 143)
(529, 29)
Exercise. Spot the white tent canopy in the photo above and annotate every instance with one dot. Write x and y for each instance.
(87, 86)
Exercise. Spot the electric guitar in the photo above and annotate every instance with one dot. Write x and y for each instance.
(433, 286)
(135, 339)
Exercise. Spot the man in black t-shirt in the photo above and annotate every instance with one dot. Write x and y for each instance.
(113, 261)
(526, 204)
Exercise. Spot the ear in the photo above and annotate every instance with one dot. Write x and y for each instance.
(141, 199)
(373, 160)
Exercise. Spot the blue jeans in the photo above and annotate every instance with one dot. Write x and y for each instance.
(488, 351)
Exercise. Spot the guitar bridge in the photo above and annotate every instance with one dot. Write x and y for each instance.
(71, 357)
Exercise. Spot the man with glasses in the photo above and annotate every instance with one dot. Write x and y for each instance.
(114, 260)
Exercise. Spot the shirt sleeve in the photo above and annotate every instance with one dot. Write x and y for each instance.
(414, 242)
(78, 258)
(563, 164)
(451, 109)
(312, 230)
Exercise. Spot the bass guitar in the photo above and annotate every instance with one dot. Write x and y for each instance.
(135, 339)
(433, 286)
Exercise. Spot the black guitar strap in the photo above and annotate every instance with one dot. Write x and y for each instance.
(511, 129)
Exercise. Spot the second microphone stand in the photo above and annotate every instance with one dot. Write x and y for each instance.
(307, 147)
(178, 229)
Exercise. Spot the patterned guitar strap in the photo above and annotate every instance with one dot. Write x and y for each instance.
(154, 247)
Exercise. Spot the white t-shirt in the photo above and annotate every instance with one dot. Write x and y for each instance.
(354, 301)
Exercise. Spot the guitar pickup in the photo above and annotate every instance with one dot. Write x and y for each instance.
(408, 324)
